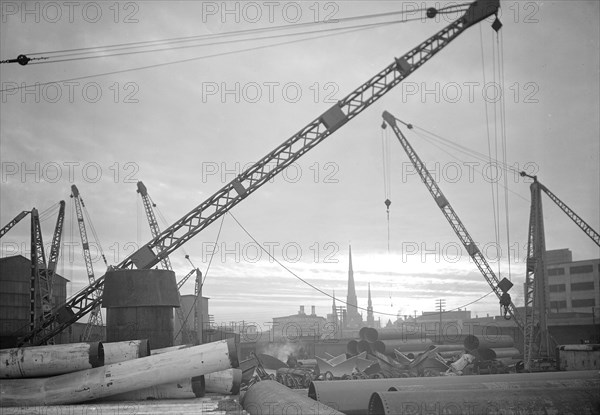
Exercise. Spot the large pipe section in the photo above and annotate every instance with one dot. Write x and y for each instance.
(272, 398)
(182, 389)
(51, 360)
(352, 396)
(225, 382)
(575, 400)
(121, 377)
(126, 350)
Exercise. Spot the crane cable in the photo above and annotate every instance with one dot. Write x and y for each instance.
(71, 53)
(345, 30)
(193, 307)
(387, 188)
(499, 39)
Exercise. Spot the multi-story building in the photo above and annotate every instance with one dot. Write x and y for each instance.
(573, 285)
(298, 325)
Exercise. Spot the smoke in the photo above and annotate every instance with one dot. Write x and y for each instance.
(281, 350)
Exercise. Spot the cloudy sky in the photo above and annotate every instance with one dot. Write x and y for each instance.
(185, 121)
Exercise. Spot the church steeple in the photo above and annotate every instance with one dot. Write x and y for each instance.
(370, 317)
(354, 318)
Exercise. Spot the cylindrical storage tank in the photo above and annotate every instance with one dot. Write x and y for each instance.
(139, 305)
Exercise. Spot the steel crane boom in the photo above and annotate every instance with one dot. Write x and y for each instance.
(13, 222)
(95, 319)
(281, 157)
(500, 287)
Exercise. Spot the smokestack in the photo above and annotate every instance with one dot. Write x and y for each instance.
(301, 310)
(313, 311)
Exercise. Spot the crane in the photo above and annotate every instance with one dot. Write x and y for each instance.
(281, 157)
(154, 228)
(42, 273)
(538, 341)
(95, 319)
(13, 222)
(149, 205)
(500, 287)
(46, 274)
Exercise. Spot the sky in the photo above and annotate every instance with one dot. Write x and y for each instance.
(193, 118)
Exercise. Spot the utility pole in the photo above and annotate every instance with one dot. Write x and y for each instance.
(440, 303)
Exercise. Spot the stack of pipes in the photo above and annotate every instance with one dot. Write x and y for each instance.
(552, 392)
(80, 372)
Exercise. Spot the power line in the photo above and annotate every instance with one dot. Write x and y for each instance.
(317, 288)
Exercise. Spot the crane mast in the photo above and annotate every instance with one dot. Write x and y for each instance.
(95, 319)
(500, 288)
(538, 341)
(149, 206)
(38, 284)
(281, 157)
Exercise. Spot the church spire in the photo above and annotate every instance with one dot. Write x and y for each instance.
(370, 317)
(354, 318)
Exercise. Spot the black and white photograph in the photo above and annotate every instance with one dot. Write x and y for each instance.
(357, 207)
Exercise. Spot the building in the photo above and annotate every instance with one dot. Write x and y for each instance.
(194, 322)
(299, 325)
(15, 275)
(574, 285)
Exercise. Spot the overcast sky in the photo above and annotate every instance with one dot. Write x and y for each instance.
(186, 129)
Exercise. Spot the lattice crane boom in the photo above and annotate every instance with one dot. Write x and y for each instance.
(13, 222)
(285, 154)
(95, 319)
(455, 222)
(154, 228)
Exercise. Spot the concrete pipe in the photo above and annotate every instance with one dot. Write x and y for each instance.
(272, 398)
(182, 389)
(121, 377)
(352, 396)
(352, 348)
(577, 400)
(51, 360)
(378, 346)
(170, 349)
(363, 346)
(126, 350)
(225, 382)
(368, 333)
(493, 342)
